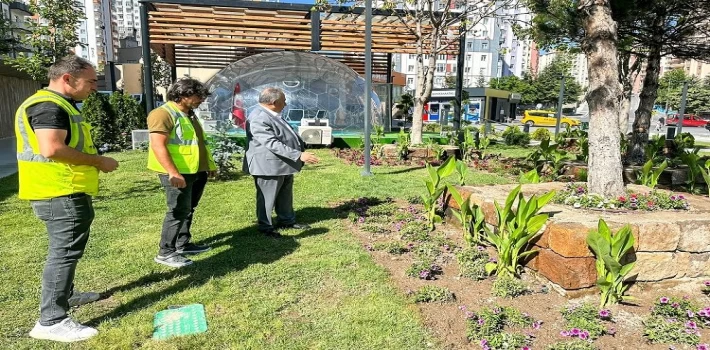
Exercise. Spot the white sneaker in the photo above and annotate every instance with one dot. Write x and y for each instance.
(66, 331)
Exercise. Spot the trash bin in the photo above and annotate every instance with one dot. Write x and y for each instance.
(670, 132)
(526, 128)
(585, 125)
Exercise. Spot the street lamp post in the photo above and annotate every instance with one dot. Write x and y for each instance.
(681, 112)
(368, 85)
(560, 100)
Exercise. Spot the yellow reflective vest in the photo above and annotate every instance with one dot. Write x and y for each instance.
(42, 178)
(183, 145)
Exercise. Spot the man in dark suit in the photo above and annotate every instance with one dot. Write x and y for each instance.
(274, 153)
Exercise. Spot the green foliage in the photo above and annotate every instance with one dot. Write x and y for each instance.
(488, 327)
(513, 136)
(531, 177)
(659, 329)
(407, 100)
(584, 317)
(162, 72)
(112, 119)
(49, 41)
(402, 144)
(433, 294)
(692, 160)
(610, 251)
(654, 147)
(577, 195)
(507, 286)
(684, 140)
(225, 151)
(545, 151)
(671, 86)
(515, 229)
(462, 171)
(435, 189)
(483, 145)
(472, 262)
(648, 176)
(464, 214)
(541, 134)
(547, 83)
(394, 248)
(577, 344)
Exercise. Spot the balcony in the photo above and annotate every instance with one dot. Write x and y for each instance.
(16, 5)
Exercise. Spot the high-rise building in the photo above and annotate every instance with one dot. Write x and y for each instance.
(578, 69)
(127, 16)
(97, 35)
(17, 14)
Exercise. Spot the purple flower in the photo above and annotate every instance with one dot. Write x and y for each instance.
(691, 325)
(424, 274)
(470, 314)
(703, 313)
(707, 283)
(462, 307)
(674, 197)
(664, 300)
(691, 313)
(680, 196)
(368, 247)
(525, 348)
(446, 247)
(565, 333)
(604, 313)
(481, 322)
(361, 219)
(703, 347)
(675, 305)
(482, 248)
(574, 331)
(584, 335)
(537, 324)
(484, 342)
(611, 331)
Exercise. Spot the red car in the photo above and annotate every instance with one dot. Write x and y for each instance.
(689, 120)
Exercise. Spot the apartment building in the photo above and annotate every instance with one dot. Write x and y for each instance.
(18, 16)
(579, 69)
(98, 37)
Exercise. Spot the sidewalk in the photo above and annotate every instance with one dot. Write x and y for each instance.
(8, 157)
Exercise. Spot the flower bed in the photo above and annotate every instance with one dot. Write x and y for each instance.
(578, 196)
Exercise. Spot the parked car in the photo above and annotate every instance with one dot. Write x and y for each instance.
(689, 120)
(547, 118)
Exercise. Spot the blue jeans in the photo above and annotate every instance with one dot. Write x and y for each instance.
(68, 220)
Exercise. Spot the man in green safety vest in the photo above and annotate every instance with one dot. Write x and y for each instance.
(59, 173)
(179, 153)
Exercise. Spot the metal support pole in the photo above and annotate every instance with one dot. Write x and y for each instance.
(390, 91)
(560, 101)
(368, 84)
(173, 74)
(147, 64)
(681, 112)
(112, 75)
(459, 82)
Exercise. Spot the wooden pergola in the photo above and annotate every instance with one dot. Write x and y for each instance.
(216, 33)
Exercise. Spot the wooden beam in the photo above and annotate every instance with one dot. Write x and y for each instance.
(199, 41)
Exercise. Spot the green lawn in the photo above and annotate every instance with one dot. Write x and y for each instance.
(317, 289)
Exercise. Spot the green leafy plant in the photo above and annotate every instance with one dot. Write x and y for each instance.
(225, 151)
(691, 159)
(465, 214)
(516, 227)
(402, 144)
(583, 142)
(610, 251)
(654, 148)
(512, 135)
(705, 173)
(488, 327)
(586, 317)
(659, 329)
(472, 262)
(578, 196)
(648, 176)
(431, 294)
(435, 189)
(544, 151)
(684, 140)
(394, 248)
(462, 171)
(572, 345)
(507, 286)
(541, 134)
(468, 145)
(483, 145)
(531, 177)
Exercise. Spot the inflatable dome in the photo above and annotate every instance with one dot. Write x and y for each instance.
(315, 87)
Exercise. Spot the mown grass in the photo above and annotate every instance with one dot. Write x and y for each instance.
(316, 289)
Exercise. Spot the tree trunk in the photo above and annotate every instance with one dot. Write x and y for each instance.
(603, 98)
(425, 83)
(642, 122)
(624, 113)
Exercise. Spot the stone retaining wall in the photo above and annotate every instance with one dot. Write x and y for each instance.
(670, 245)
(416, 154)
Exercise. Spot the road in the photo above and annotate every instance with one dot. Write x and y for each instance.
(700, 134)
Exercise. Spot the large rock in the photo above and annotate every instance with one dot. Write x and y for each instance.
(695, 236)
(654, 267)
(658, 236)
(569, 273)
(568, 239)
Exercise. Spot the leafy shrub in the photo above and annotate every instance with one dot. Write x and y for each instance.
(112, 119)
(541, 134)
(430, 294)
(685, 140)
(225, 151)
(572, 345)
(394, 248)
(415, 231)
(488, 327)
(472, 262)
(577, 195)
(425, 270)
(507, 286)
(386, 209)
(414, 200)
(610, 249)
(513, 136)
(585, 318)
(376, 228)
(659, 329)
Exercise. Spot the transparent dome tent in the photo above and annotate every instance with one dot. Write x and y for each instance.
(315, 86)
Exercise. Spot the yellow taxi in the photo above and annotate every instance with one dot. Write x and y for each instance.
(547, 118)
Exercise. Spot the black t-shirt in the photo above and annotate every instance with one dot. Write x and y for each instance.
(48, 115)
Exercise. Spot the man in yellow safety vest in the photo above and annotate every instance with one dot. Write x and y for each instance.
(179, 153)
(59, 173)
